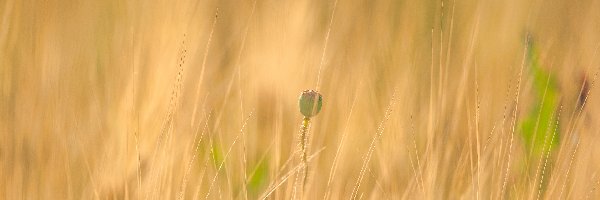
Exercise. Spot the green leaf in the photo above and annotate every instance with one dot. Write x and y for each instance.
(540, 122)
(259, 178)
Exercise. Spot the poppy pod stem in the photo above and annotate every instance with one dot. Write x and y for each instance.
(310, 103)
(303, 145)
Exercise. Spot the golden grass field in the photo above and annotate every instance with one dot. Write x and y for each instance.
(199, 99)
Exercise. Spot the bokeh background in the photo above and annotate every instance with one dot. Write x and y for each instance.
(198, 99)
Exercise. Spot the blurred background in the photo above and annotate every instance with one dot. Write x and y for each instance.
(427, 99)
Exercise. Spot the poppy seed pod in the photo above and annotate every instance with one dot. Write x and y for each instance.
(310, 103)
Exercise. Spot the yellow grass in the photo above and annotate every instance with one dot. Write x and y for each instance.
(198, 99)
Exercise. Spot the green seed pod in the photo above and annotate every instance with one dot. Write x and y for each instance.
(309, 104)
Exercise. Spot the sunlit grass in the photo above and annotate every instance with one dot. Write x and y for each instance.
(199, 99)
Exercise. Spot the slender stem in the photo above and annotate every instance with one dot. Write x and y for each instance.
(303, 155)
